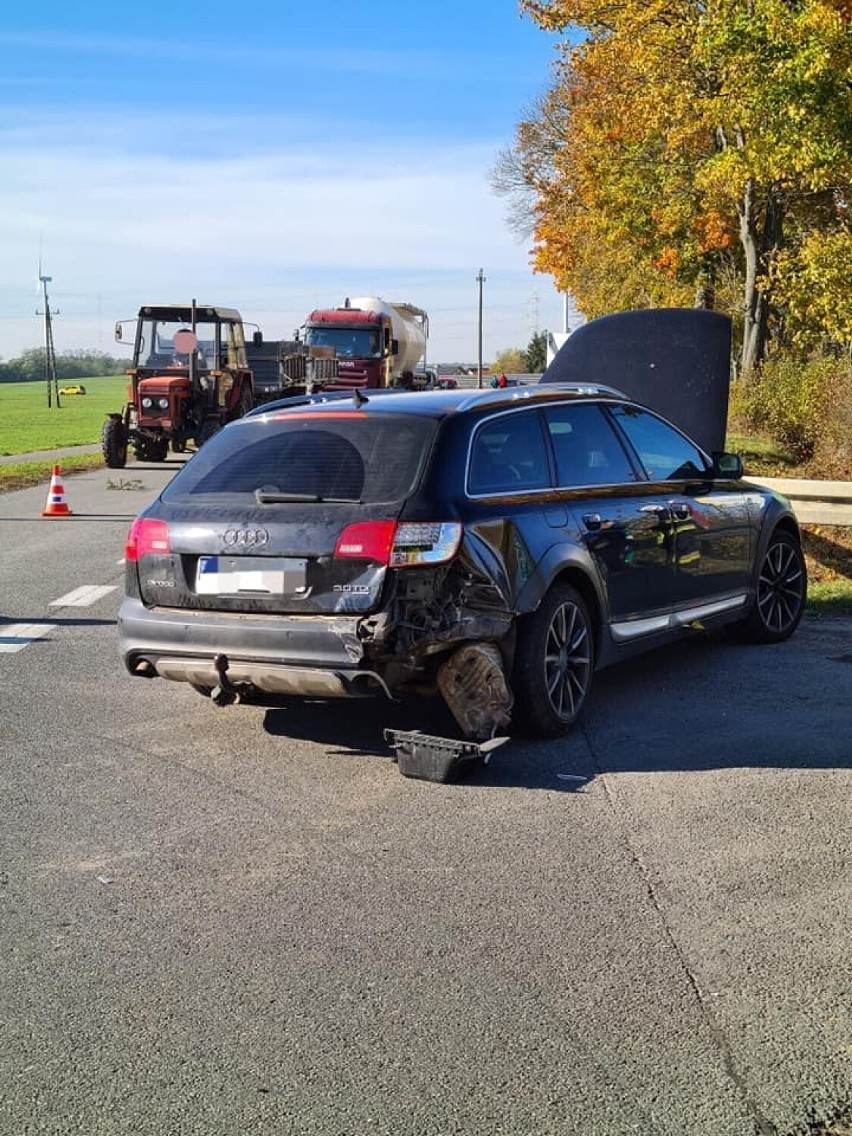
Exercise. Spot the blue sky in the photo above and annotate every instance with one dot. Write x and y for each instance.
(272, 157)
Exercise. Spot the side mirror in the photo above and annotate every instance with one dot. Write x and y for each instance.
(727, 466)
(118, 333)
(394, 347)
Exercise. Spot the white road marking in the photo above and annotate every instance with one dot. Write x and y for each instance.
(84, 596)
(15, 636)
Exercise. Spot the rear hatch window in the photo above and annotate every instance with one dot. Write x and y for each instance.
(344, 456)
(284, 513)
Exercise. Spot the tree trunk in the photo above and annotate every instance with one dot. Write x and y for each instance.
(759, 251)
(748, 240)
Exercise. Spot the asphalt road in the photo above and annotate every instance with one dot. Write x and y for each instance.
(245, 920)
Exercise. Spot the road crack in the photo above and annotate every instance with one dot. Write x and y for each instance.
(763, 1126)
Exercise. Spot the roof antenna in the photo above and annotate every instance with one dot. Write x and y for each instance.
(359, 399)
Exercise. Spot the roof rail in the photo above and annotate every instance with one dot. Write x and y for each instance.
(297, 400)
(508, 395)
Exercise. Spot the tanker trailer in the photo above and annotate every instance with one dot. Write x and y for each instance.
(367, 342)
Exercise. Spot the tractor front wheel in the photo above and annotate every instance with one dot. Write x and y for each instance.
(114, 443)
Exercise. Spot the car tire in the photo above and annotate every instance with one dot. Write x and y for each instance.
(554, 664)
(781, 592)
(114, 443)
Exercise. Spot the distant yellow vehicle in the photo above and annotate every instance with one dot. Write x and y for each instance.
(74, 388)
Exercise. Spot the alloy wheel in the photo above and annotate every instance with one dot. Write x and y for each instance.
(781, 587)
(567, 661)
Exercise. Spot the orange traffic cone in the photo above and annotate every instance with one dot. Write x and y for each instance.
(56, 505)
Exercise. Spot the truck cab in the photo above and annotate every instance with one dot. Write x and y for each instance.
(360, 342)
(367, 342)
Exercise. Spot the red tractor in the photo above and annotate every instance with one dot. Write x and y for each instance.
(188, 378)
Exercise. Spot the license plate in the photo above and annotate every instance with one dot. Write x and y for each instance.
(250, 575)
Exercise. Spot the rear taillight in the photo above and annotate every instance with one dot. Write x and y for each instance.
(146, 535)
(366, 540)
(403, 545)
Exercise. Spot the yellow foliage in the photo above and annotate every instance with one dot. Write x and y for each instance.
(671, 114)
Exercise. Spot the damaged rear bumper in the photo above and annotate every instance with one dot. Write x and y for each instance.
(278, 654)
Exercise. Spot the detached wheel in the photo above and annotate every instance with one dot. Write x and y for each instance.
(114, 443)
(554, 664)
(782, 588)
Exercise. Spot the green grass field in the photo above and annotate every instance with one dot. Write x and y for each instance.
(28, 424)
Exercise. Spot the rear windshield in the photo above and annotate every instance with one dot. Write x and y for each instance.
(349, 457)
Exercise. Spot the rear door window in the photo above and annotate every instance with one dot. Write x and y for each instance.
(347, 457)
(586, 448)
(508, 455)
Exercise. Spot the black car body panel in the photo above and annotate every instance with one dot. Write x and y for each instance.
(334, 547)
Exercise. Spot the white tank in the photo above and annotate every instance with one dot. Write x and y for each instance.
(410, 328)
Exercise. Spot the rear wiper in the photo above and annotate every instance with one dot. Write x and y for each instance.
(270, 497)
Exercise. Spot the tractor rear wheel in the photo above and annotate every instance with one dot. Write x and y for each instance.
(152, 449)
(114, 443)
(208, 428)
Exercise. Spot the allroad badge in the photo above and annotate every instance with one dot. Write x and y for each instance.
(245, 538)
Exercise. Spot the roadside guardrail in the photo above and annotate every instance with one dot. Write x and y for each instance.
(814, 502)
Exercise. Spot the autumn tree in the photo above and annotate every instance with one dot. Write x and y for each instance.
(509, 361)
(687, 144)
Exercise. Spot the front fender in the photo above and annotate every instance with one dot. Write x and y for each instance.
(769, 513)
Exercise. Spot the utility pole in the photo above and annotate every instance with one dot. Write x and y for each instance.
(533, 328)
(481, 280)
(49, 350)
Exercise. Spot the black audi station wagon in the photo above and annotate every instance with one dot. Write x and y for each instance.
(496, 546)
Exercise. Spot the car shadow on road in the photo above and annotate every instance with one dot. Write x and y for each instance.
(355, 728)
(704, 704)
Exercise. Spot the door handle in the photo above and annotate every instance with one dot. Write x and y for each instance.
(592, 521)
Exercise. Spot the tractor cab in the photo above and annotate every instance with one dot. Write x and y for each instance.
(189, 376)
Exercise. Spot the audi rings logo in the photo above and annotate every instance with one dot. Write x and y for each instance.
(245, 538)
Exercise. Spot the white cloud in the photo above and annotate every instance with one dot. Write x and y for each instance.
(133, 210)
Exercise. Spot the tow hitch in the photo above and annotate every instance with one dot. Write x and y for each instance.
(225, 693)
(431, 758)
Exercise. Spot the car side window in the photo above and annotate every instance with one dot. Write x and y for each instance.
(665, 453)
(509, 455)
(586, 447)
